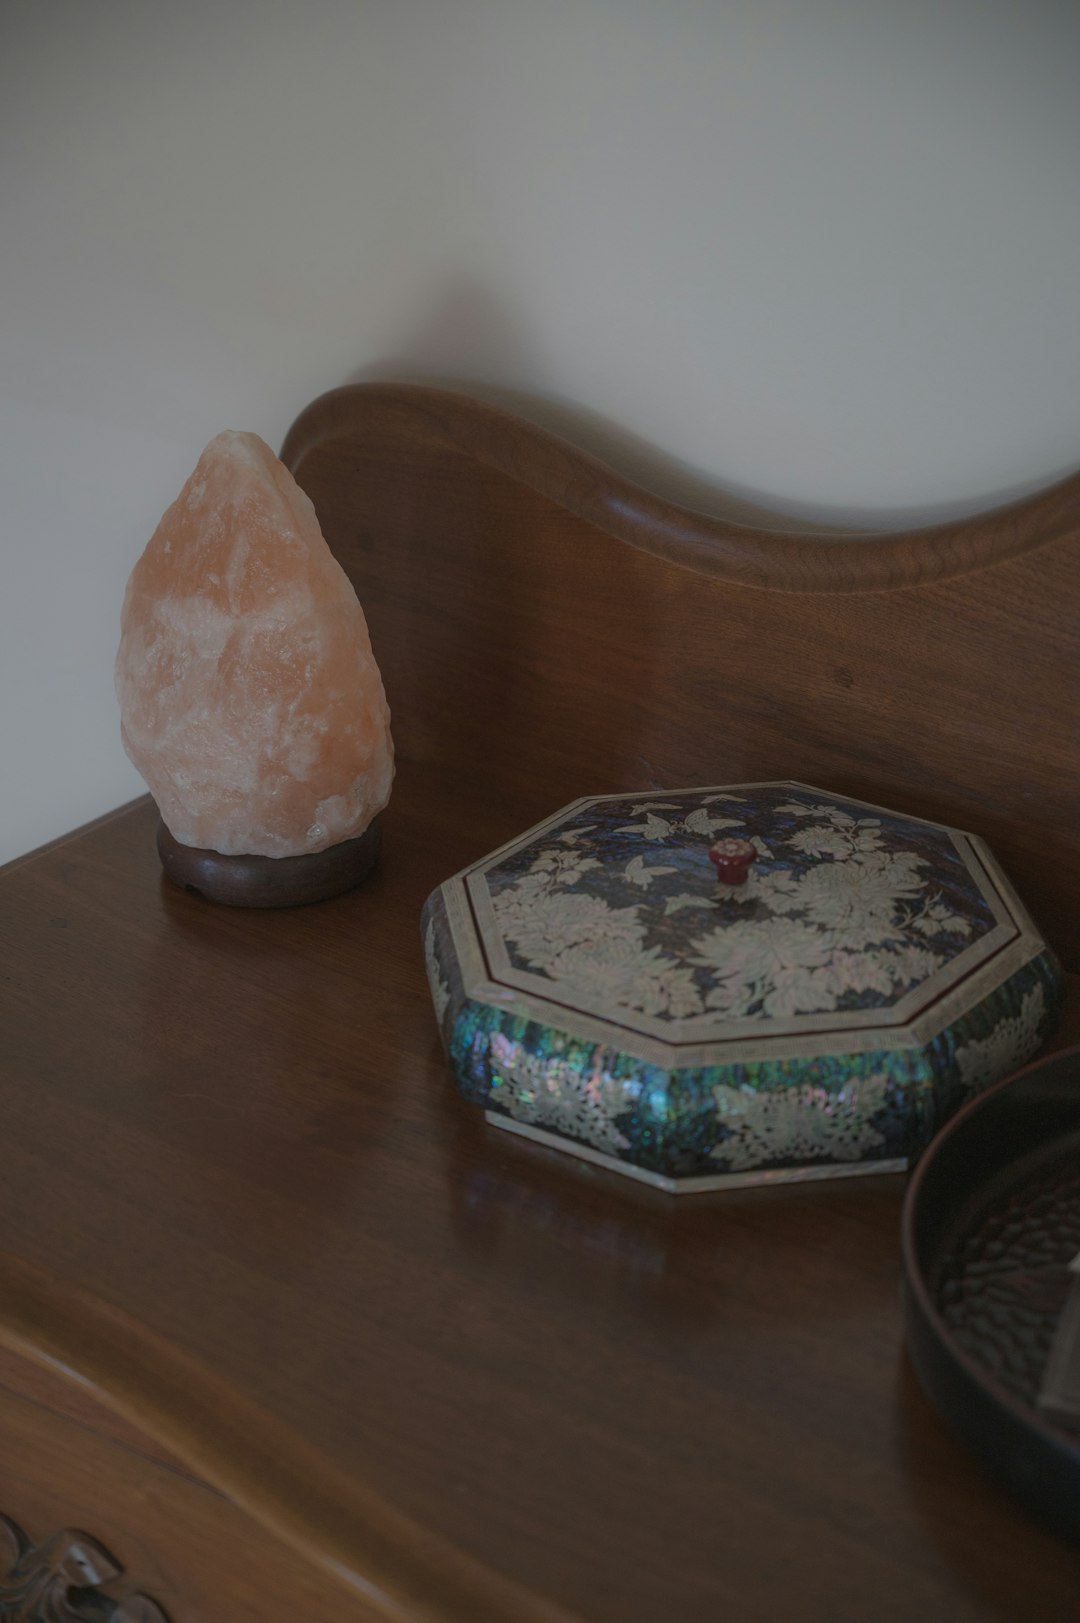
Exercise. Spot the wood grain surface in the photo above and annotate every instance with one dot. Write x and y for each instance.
(235, 1129)
(179, 1543)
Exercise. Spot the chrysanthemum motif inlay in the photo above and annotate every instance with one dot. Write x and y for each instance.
(803, 1123)
(611, 985)
(842, 911)
(1011, 1042)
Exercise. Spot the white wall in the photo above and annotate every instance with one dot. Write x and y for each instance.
(824, 251)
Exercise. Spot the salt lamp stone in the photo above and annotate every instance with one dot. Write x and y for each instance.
(250, 698)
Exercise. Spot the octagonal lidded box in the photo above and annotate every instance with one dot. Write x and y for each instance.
(734, 985)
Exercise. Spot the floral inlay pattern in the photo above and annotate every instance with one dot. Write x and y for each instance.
(554, 1095)
(843, 910)
(597, 982)
(1011, 1042)
(440, 990)
(806, 1122)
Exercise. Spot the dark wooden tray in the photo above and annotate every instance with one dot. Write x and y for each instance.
(990, 1224)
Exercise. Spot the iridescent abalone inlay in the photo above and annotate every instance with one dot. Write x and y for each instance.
(596, 986)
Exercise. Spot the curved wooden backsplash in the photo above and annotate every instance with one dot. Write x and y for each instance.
(628, 643)
(775, 557)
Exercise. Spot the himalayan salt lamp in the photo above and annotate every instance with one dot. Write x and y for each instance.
(250, 698)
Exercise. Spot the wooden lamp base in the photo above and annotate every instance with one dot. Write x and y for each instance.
(252, 881)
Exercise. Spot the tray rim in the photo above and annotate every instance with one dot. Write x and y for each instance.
(940, 1362)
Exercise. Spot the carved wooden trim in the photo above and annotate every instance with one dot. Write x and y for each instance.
(63, 1580)
(775, 556)
(336, 1520)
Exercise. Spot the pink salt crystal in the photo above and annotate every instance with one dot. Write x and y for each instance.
(250, 698)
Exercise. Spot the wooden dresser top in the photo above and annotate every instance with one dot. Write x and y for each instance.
(242, 1200)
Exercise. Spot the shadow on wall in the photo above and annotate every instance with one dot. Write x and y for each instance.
(470, 337)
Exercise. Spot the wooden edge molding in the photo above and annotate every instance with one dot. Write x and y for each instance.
(332, 1518)
(777, 559)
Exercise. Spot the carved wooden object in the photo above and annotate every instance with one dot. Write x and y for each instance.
(557, 630)
(63, 1580)
(251, 881)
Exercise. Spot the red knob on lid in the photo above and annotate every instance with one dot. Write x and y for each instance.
(731, 859)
